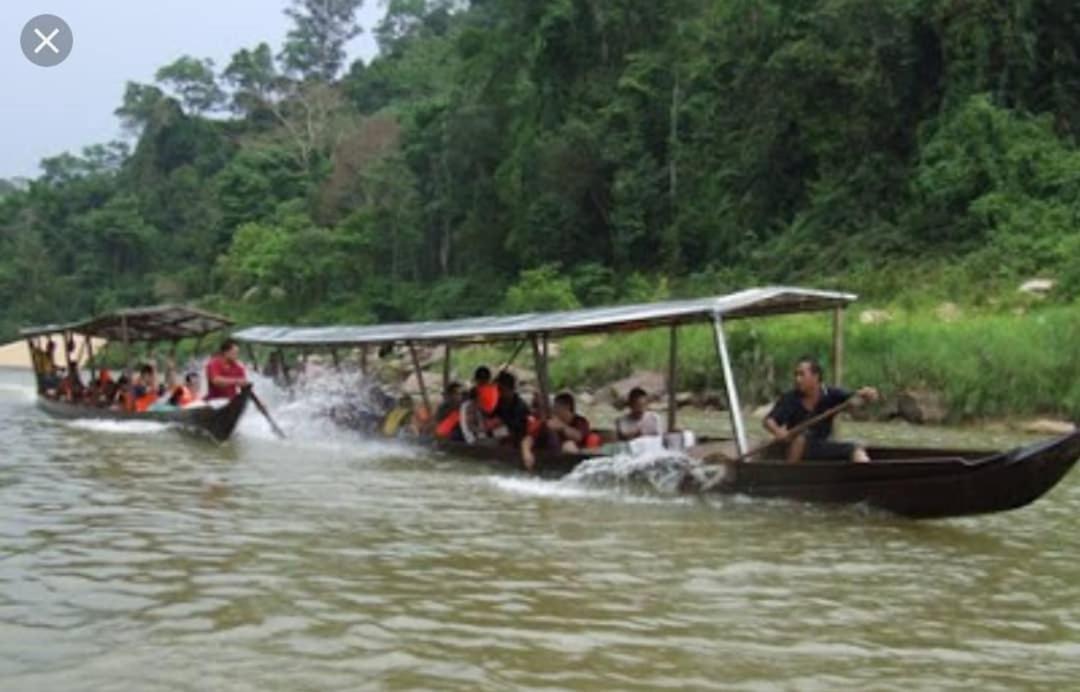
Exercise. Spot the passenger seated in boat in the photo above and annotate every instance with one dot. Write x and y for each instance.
(484, 391)
(810, 398)
(478, 421)
(186, 394)
(565, 430)
(147, 391)
(405, 418)
(511, 414)
(638, 421)
(446, 423)
(124, 398)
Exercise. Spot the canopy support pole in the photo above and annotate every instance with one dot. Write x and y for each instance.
(673, 357)
(90, 358)
(284, 367)
(420, 377)
(251, 357)
(517, 351)
(67, 353)
(729, 385)
(35, 362)
(127, 346)
(838, 347)
(446, 366)
(540, 357)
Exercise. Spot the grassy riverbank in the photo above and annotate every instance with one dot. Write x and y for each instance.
(986, 365)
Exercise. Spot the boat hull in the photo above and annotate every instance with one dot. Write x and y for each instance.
(218, 423)
(920, 484)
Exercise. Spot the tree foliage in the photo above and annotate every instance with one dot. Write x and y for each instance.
(539, 155)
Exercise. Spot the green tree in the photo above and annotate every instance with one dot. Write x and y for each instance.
(315, 45)
(194, 84)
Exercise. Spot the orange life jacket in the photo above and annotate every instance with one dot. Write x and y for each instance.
(487, 397)
(144, 402)
(593, 441)
(184, 396)
(447, 426)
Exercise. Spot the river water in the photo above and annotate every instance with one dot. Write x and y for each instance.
(133, 557)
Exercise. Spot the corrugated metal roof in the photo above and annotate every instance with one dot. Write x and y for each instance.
(754, 302)
(159, 323)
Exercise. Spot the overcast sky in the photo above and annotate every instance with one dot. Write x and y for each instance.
(46, 111)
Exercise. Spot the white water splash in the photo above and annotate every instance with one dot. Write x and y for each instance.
(304, 414)
(654, 477)
(664, 472)
(118, 427)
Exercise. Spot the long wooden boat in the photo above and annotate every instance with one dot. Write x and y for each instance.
(148, 325)
(912, 482)
(218, 423)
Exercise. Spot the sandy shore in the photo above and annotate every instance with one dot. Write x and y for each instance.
(16, 354)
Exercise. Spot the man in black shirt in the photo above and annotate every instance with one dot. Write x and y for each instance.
(808, 399)
(511, 411)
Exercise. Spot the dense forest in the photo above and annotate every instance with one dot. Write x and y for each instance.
(500, 155)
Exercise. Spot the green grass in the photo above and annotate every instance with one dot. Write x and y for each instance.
(987, 365)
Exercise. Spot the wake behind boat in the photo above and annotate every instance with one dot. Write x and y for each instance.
(62, 393)
(913, 482)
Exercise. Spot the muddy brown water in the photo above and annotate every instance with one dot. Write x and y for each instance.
(133, 557)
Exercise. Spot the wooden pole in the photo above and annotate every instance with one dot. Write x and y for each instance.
(251, 357)
(127, 346)
(446, 366)
(734, 407)
(541, 380)
(284, 368)
(838, 347)
(336, 359)
(420, 377)
(363, 360)
(35, 362)
(67, 352)
(673, 357)
(90, 358)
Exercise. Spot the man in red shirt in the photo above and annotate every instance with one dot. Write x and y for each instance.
(224, 373)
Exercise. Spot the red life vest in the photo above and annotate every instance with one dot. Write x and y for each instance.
(487, 397)
(145, 401)
(447, 426)
(184, 396)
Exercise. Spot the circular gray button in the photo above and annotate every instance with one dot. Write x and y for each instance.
(46, 40)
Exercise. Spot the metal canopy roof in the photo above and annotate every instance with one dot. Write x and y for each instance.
(160, 323)
(754, 302)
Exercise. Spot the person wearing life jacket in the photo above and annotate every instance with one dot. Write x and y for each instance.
(485, 392)
(400, 418)
(186, 394)
(122, 395)
(447, 419)
(564, 431)
(148, 390)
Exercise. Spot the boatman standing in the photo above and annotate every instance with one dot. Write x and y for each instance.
(225, 375)
(808, 399)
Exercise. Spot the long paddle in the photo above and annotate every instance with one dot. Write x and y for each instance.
(266, 414)
(798, 429)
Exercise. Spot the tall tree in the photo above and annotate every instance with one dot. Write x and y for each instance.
(315, 46)
(193, 82)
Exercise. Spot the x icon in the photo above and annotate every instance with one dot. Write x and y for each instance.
(47, 41)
